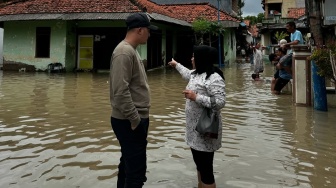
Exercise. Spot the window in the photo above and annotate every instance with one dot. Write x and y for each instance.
(42, 42)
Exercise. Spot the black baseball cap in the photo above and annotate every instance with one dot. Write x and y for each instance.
(139, 19)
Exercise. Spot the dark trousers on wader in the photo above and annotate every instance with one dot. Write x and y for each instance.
(133, 160)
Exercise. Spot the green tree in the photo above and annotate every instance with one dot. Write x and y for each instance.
(260, 17)
(255, 19)
(202, 27)
(241, 4)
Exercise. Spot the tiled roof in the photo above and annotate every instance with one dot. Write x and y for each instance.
(296, 12)
(187, 12)
(68, 6)
(190, 12)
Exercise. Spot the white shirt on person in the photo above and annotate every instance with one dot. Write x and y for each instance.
(213, 86)
(258, 61)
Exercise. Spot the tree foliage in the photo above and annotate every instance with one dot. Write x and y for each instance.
(322, 57)
(260, 17)
(241, 4)
(280, 35)
(255, 19)
(202, 26)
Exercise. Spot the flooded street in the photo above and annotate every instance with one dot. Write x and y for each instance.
(55, 132)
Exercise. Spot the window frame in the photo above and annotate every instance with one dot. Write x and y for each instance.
(42, 42)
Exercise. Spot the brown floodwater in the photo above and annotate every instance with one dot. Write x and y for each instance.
(55, 132)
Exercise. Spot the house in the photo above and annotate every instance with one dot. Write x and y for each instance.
(82, 35)
(277, 14)
(191, 9)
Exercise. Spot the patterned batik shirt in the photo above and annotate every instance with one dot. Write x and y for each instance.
(204, 88)
(258, 61)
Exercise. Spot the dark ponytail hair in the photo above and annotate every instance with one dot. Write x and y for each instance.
(205, 57)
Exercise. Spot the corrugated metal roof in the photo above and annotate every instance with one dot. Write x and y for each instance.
(161, 17)
(95, 16)
(18, 17)
(228, 23)
(70, 16)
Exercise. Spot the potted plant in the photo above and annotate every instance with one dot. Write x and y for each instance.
(280, 35)
(324, 58)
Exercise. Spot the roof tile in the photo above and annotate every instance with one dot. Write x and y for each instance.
(67, 6)
(187, 12)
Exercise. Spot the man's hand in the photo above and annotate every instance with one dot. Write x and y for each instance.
(135, 124)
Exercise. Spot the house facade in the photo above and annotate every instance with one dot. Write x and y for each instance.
(191, 9)
(277, 14)
(82, 37)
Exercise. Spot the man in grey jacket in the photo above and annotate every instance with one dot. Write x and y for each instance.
(130, 101)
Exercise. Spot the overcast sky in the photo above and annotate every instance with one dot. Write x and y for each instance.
(252, 8)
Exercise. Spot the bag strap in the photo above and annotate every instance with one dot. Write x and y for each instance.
(212, 99)
(213, 102)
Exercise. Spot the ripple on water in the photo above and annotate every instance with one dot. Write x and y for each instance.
(59, 133)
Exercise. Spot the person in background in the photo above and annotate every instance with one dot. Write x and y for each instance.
(285, 70)
(243, 53)
(204, 81)
(258, 60)
(274, 58)
(295, 36)
(249, 53)
(282, 42)
(130, 101)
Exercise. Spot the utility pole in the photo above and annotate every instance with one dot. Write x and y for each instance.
(219, 39)
(313, 14)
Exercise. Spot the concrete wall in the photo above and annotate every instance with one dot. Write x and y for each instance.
(229, 45)
(300, 3)
(20, 43)
(285, 6)
(331, 100)
(266, 41)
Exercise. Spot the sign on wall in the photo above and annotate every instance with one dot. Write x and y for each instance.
(329, 13)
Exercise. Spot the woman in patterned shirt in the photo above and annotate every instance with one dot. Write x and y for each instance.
(205, 80)
(258, 61)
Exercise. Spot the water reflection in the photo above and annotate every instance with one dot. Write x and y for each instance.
(55, 131)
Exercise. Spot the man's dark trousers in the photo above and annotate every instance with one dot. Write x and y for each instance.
(133, 160)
